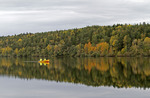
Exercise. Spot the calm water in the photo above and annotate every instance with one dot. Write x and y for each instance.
(75, 78)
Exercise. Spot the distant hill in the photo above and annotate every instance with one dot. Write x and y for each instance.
(116, 40)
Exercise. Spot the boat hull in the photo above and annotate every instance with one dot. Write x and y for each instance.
(45, 61)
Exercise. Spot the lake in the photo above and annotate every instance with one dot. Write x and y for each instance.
(75, 78)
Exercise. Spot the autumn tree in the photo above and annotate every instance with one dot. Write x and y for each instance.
(147, 45)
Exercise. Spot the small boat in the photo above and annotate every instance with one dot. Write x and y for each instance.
(43, 61)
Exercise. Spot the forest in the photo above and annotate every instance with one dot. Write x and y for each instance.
(91, 41)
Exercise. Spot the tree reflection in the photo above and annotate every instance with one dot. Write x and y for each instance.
(117, 72)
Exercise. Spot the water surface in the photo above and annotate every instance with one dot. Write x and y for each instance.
(75, 78)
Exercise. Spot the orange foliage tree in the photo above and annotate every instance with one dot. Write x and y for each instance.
(102, 48)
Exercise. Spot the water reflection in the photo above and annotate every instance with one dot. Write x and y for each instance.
(117, 72)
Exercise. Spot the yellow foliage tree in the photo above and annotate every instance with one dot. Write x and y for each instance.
(88, 48)
(20, 40)
(147, 45)
(16, 51)
(48, 47)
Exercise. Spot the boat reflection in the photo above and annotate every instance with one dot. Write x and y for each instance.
(44, 64)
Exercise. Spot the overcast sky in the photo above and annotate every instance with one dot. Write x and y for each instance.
(19, 16)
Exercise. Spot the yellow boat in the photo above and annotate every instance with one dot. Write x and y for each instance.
(44, 61)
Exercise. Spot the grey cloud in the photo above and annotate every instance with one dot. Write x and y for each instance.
(18, 16)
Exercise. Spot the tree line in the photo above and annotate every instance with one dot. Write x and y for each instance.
(115, 40)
